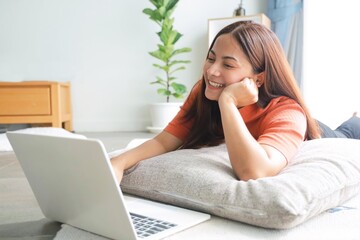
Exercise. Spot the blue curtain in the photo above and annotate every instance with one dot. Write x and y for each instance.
(287, 22)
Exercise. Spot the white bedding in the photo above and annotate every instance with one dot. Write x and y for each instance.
(341, 223)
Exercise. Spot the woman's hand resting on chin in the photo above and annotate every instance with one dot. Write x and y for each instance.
(241, 93)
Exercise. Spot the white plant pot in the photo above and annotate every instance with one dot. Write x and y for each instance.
(162, 114)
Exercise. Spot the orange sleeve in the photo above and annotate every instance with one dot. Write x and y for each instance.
(284, 128)
(177, 126)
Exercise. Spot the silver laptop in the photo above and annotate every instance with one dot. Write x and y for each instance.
(74, 183)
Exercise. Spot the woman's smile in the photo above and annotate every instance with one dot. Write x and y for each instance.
(215, 84)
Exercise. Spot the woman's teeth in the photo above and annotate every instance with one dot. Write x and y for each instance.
(214, 84)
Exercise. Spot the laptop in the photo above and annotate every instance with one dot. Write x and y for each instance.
(74, 183)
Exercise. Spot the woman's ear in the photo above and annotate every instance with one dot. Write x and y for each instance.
(260, 79)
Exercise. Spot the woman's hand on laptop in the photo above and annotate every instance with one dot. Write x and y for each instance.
(162, 143)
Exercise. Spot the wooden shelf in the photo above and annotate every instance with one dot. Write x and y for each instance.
(36, 102)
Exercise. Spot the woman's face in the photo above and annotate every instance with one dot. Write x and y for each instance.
(225, 64)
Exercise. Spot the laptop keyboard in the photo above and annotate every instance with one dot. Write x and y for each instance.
(146, 226)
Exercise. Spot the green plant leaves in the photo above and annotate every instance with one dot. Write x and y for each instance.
(159, 55)
(164, 91)
(181, 50)
(171, 4)
(166, 49)
(154, 15)
(178, 90)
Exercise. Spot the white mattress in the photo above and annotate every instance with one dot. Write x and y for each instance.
(341, 223)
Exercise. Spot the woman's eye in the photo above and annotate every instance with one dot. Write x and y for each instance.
(211, 59)
(228, 65)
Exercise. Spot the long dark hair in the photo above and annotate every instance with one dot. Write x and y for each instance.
(265, 54)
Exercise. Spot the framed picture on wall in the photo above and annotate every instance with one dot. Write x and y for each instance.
(216, 24)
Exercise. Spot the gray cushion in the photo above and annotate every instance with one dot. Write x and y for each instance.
(325, 173)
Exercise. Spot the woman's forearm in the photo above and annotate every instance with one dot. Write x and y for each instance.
(248, 158)
(162, 143)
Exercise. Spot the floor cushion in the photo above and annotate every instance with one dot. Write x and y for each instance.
(324, 174)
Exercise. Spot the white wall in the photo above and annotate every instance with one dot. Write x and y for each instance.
(102, 47)
(331, 59)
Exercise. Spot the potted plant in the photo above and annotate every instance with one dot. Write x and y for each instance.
(166, 54)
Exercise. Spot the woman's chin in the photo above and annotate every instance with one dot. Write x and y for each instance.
(211, 95)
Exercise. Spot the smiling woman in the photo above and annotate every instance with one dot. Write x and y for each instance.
(227, 64)
(247, 98)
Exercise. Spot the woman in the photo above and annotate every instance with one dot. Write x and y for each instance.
(247, 98)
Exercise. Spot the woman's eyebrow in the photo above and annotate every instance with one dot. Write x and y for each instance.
(229, 57)
(224, 57)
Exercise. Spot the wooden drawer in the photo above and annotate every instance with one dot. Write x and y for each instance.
(25, 100)
(43, 103)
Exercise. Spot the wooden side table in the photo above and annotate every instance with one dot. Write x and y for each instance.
(36, 102)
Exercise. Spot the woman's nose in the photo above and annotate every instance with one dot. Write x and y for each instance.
(213, 71)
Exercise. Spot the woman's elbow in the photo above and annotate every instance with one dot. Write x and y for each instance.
(253, 175)
(249, 176)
